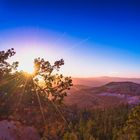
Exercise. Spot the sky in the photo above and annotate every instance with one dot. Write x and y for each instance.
(94, 37)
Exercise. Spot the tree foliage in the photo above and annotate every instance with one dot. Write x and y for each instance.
(98, 124)
(131, 130)
(5, 67)
(54, 85)
(19, 90)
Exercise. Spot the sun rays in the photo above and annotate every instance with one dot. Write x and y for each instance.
(30, 86)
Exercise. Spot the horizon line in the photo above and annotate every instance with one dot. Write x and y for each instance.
(105, 77)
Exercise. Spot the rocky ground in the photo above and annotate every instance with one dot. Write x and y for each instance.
(11, 130)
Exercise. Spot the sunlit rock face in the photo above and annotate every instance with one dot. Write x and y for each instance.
(10, 130)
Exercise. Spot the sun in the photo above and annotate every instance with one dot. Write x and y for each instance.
(27, 64)
(26, 55)
(26, 59)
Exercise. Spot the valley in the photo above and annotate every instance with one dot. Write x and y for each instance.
(111, 94)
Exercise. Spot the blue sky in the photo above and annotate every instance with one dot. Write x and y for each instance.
(95, 37)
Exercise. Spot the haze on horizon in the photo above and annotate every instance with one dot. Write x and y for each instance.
(94, 37)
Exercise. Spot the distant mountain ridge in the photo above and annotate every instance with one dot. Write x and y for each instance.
(108, 95)
(127, 88)
(99, 81)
